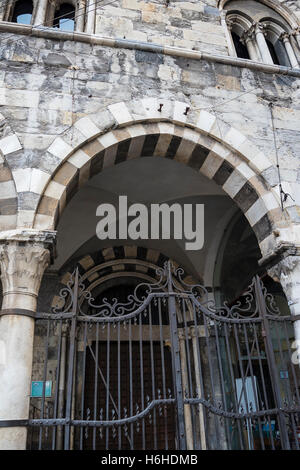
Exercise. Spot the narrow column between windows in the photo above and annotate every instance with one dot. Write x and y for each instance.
(248, 39)
(227, 24)
(296, 33)
(41, 12)
(262, 44)
(90, 16)
(80, 16)
(3, 10)
(289, 50)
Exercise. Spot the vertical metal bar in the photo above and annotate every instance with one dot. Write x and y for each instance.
(211, 372)
(272, 365)
(72, 431)
(253, 383)
(61, 385)
(186, 334)
(119, 386)
(176, 363)
(152, 375)
(221, 372)
(107, 384)
(264, 385)
(96, 384)
(162, 358)
(55, 408)
(44, 383)
(186, 374)
(199, 380)
(83, 382)
(71, 362)
(131, 386)
(243, 389)
(142, 380)
(230, 362)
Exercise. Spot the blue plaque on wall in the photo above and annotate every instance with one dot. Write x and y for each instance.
(37, 388)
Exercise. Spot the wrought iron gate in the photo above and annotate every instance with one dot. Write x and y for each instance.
(165, 370)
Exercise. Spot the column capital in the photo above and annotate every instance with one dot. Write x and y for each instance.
(287, 272)
(229, 23)
(285, 37)
(259, 27)
(223, 14)
(24, 256)
(296, 31)
(248, 35)
(284, 268)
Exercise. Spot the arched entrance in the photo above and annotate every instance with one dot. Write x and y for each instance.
(165, 368)
(204, 389)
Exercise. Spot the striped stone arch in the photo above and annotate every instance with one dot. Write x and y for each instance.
(9, 143)
(159, 128)
(116, 262)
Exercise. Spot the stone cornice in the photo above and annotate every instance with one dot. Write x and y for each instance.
(55, 34)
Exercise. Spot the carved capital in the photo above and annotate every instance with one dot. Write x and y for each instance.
(296, 31)
(229, 23)
(260, 27)
(223, 14)
(283, 271)
(248, 36)
(24, 256)
(285, 37)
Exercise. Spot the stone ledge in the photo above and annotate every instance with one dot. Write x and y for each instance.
(51, 33)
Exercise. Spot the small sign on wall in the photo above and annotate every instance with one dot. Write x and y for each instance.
(284, 374)
(37, 389)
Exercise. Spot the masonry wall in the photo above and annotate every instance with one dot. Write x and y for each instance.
(195, 25)
(46, 85)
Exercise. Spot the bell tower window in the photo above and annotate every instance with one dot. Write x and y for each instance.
(240, 48)
(64, 18)
(23, 12)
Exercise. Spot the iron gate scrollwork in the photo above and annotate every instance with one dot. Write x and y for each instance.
(165, 369)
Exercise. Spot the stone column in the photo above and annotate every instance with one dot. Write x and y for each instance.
(90, 17)
(262, 45)
(80, 16)
(3, 10)
(24, 256)
(41, 11)
(227, 25)
(289, 50)
(248, 39)
(287, 272)
(296, 34)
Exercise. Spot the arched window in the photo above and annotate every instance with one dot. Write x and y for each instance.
(240, 47)
(23, 12)
(260, 33)
(64, 18)
(273, 52)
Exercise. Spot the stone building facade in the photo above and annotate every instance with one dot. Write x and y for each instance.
(88, 87)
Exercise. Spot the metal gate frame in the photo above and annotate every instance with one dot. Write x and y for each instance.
(207, 345)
